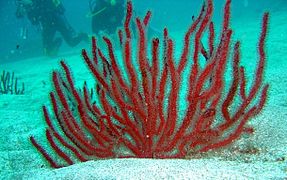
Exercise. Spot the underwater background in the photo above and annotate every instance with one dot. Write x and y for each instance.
(21, 114)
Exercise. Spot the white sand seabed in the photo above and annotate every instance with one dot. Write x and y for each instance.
(162, 169)
(21, 116)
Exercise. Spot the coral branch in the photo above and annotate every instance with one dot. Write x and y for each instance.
(137, 109)
(9, 84)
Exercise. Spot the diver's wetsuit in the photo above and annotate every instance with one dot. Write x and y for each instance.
(107, 17)
(50, 15)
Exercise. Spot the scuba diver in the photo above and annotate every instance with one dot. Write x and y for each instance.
(49, 15)
(107, 15)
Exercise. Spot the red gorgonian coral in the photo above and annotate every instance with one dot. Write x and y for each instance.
(134, 111)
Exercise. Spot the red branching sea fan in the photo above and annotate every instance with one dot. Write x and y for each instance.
(134, 111)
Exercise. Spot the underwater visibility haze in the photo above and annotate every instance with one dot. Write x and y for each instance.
(129, 89)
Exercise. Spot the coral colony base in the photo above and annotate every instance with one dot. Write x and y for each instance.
(138, 115)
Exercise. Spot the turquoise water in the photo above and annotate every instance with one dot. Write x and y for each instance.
(21, 115)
